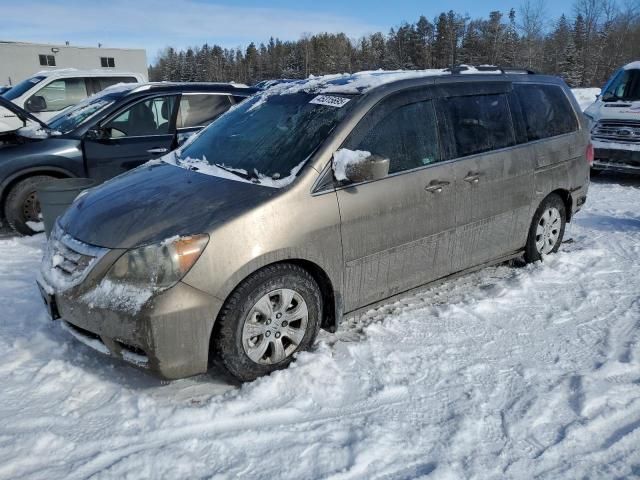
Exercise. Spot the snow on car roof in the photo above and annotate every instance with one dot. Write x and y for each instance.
(353, 83)
(632, 66)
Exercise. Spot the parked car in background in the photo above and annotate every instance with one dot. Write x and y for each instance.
(615, 122)
(312, 200)
(107, 134)
(46, 94)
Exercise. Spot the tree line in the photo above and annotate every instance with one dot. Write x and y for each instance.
(583, 47)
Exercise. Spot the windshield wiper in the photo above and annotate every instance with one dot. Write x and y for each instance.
(251, 176)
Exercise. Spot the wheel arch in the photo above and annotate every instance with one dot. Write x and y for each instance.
(331, 298)
(567, 199)
(12, 180)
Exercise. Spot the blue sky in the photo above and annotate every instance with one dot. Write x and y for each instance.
(155, 24)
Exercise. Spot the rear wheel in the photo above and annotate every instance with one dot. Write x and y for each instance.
(22, 208)
(273, 314)
(547, 229)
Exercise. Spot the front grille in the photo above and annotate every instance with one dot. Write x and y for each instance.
(626, 131)
(67, 261)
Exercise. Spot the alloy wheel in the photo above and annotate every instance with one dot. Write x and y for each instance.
(275, 326)
(548, 230)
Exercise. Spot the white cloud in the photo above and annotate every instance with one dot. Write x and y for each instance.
(154, 24)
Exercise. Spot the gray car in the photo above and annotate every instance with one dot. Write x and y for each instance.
(314, 200)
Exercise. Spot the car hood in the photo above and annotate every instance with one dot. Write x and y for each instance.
(155, 202)
(614, 110)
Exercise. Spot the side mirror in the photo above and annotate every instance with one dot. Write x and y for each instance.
(97, 133)
(36, 104)
(359, 166)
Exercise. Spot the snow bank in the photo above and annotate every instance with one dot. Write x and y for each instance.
(505, 373)
(344, 158)
(585, 96)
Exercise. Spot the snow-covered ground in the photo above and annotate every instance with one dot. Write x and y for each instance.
(585, 96)
(506, 373)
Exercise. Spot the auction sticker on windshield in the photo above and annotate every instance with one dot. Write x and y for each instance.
(330, 101)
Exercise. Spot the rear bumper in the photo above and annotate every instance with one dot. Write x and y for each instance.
(168, 336)
(618, 160)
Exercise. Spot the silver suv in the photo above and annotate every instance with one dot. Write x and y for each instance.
(310, 201)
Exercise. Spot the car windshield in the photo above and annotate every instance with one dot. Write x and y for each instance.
(22, 87)
(73, 117)
(625, 87)
(269, 135)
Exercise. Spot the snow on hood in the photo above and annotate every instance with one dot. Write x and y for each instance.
(38, 132)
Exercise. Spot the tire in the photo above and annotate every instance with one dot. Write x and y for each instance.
(547, 229)
(22, 205)
(594, 172)
(253, 318)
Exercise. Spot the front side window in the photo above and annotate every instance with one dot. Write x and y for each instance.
(546, 110)
(407, 135)
(199, 110)
(61, 94)
(479, 123)
(145, 118)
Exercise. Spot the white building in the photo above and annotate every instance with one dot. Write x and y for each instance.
(19, 60)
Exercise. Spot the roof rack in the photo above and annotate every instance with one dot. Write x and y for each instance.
(490, 68)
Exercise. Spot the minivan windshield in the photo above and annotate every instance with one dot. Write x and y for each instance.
(624, 87)
(22, 87)
(72, 117)
(269, 135)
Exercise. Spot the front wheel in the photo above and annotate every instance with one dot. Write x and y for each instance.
(547, 229)
(273, 314)
(22, 208)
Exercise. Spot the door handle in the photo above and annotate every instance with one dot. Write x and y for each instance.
(472, 177)
(158, 150)
(436, 186)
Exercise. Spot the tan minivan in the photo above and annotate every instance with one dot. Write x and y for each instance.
(310, 201)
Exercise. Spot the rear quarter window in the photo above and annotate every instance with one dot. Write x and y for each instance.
(546, 111)
(478, 123)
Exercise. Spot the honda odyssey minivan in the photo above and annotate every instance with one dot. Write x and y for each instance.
(310, 201)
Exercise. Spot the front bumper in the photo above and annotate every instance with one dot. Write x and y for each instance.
(168, 336)
(617, 160)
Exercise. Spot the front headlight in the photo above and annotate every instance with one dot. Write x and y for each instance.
(160, 265)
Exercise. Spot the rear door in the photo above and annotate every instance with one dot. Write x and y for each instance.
(141, 131)
(397, 231)
(494, 177)
(197, 110)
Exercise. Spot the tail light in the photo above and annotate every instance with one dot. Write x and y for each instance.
(590, 154)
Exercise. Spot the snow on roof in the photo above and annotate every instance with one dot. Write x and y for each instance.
(353, 83)
(632, 66)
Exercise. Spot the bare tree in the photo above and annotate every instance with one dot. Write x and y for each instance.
(532, 25)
